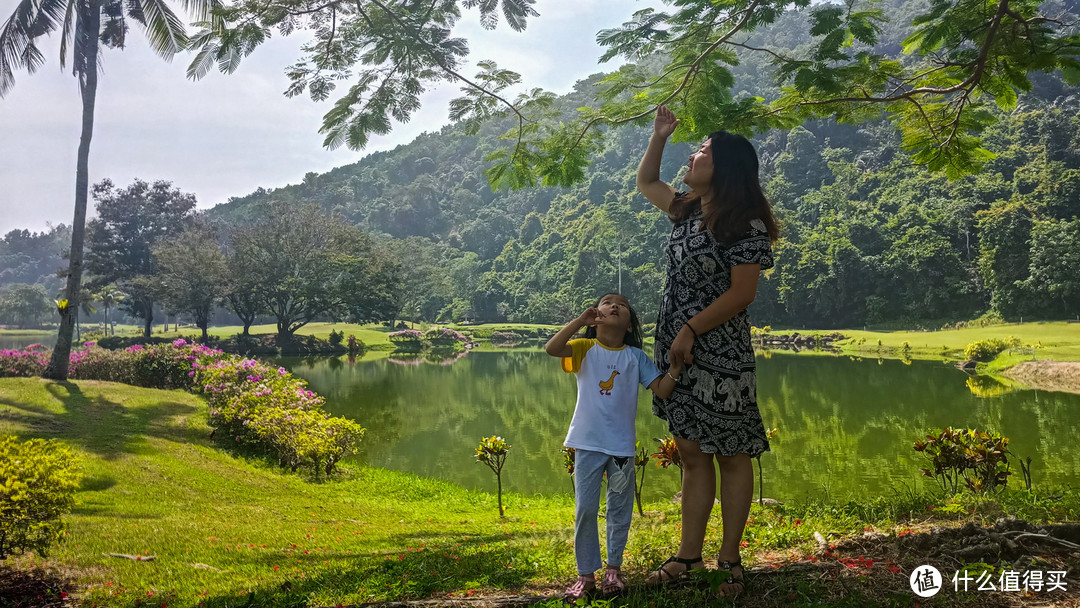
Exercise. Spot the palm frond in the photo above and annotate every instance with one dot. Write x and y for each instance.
(164, 29)
(66, 32)
(30, 20)
(204, 59)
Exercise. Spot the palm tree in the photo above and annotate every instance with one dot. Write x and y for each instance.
(86, 306)
(109, 297)
(85, 25)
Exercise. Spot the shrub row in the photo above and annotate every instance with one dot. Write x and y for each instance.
(258, 405)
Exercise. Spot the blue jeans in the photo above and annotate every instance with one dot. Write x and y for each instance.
(589, 468)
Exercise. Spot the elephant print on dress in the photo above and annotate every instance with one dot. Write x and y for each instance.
(704, 384)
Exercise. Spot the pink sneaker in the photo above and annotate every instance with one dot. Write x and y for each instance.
(583, 586)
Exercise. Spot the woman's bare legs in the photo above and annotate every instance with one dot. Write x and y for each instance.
(736, 494)
(698, 495)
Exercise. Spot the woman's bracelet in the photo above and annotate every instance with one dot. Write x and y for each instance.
(672, 377)
(691, 328)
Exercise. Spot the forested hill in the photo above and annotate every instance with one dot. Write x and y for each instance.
(867, 239)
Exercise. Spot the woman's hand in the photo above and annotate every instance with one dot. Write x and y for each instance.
(682, 348)
(665, 122)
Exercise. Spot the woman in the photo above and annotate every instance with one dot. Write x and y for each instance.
(720, 242)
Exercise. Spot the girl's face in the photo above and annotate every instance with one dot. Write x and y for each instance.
(616, 310)
(700, 169)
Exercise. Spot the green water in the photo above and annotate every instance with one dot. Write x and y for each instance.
(846, 426)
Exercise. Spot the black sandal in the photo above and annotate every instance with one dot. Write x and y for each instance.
(663, 572)
(732, 579)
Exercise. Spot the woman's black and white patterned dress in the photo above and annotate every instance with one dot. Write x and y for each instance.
(715, 400)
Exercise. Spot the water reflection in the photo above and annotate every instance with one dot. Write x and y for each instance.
(846, 427)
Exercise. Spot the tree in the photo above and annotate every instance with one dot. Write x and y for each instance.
(25, 305)
(86, 26)
(130, 222)
(308, 265)
(242, 287)
(962, 54)
(109, 297)
(1055, 264)
(34, 257)
(1005, 256)
(191, 275)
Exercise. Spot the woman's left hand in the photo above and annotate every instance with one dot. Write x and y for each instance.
(682, 348)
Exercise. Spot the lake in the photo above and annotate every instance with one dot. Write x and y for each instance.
(846, 425)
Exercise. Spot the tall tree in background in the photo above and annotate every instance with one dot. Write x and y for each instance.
(191, 275)
(85, 26)
(308, 265)
(130, 222)
(241, 290)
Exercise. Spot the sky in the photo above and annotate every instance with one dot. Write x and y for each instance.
(226, 135)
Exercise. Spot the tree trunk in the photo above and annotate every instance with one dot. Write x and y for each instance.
(88, 43)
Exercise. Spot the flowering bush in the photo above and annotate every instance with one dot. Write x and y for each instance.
(22, 363)
(407, 340)
(444, 336)
(506, 337)
(257, 404)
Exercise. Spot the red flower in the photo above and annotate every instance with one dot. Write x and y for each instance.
(63, 595)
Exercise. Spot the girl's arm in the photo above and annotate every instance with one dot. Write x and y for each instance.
(659, 193)
(558, 345)
(664, 385)
(744, 282)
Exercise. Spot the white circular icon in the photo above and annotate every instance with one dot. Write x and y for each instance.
(925, 581)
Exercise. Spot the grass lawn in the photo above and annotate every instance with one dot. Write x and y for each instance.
(228, 530)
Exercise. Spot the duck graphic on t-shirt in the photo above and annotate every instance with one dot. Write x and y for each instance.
(607, 385)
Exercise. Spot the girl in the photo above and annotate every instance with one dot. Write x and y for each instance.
(721, 239)
(609, 364)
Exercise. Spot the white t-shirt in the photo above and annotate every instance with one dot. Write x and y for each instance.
(608, 381)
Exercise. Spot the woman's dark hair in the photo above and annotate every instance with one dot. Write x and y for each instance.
(633, 333)
(736, 190)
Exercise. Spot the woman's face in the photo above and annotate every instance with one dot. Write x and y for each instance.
(700, 169)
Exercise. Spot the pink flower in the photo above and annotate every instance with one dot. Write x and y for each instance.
(177, 343)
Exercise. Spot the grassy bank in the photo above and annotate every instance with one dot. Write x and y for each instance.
(1059, 341)
(222, 526)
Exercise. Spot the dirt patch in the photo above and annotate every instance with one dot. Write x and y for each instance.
(872, 569)
(1061, 376)
(32, 588)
